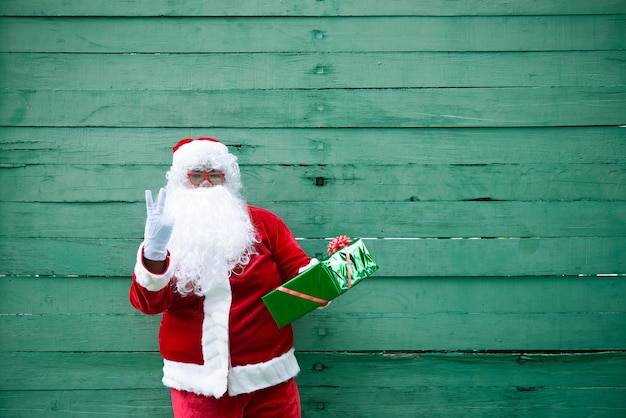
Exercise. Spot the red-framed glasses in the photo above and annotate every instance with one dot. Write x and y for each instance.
(198, 177)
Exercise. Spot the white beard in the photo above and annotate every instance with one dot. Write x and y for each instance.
(213, 236)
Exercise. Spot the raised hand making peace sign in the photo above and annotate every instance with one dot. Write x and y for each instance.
(159, 225)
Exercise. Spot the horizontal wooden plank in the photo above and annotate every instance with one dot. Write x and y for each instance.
(484, 219)
(330, 402)
(404, 370)
(150, 403)
(37, 296)
(67, 333)
(465, 332)
(367, 371)
(319, 219)
(308, 8)
(314, 70)
(81, 371)
(322, 186)
(150, 146)
(312, 34)
(409, 183)
(473, 402)
(341, 332)
(51, 295)
(407, 384)
(480, 107)
(396, 257)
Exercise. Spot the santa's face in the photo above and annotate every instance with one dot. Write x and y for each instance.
(213, 235)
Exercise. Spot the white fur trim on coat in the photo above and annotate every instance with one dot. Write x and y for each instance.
(246, 379)
(204, 380)
(152, 282)
(210, 378)
(196, 378)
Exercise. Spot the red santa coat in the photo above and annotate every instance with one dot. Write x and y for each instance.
(226, 340)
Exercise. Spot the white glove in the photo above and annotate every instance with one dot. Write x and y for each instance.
(312, 262)
(159, 225)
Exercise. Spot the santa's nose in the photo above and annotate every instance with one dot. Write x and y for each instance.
(205, 183)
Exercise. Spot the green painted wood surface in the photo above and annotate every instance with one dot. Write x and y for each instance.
(319, 220)
(311, 70)
(100, 296)
(107, 362)
(487, 383)
(354, 182)
(562, 385)
(410, 314)
(322, 402)
(348, 332)
(111, 371)
(312, 34)
(441, 107)
(148, 403)
(397, 257)
(551, 146)
(306, 8)
(489, 119)
(472, 402)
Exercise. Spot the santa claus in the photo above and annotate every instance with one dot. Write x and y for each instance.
(206, 260)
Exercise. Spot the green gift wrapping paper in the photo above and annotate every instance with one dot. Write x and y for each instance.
(320, 284)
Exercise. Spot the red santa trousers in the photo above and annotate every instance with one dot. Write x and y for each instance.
(282, 400)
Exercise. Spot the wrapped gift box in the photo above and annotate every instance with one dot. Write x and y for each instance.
(321, 283)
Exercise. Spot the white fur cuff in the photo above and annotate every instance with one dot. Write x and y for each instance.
(150, 281)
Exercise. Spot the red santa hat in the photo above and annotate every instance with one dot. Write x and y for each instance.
(188, 140)
(189, 151)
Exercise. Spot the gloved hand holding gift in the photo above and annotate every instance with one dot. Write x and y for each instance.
(349, 263)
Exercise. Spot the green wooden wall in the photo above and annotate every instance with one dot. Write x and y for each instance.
(476, 145)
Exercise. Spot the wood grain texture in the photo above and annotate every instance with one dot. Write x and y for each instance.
(485, 385)
(397, 257)
(420, 295)
(138, 370)
(148, 403)
(424, 314)
(45, 71)
(505, 107)
(344, 332)
(113, 354)
(274, 186)
(528, 379)
(474, 402)
(313, 147)
(322, 402)
(312, 34)
(125, 220)
(477, 146)
(307, 8)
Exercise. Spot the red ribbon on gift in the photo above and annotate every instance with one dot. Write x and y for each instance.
(337, 244)
(303, 295)
(348, 267)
